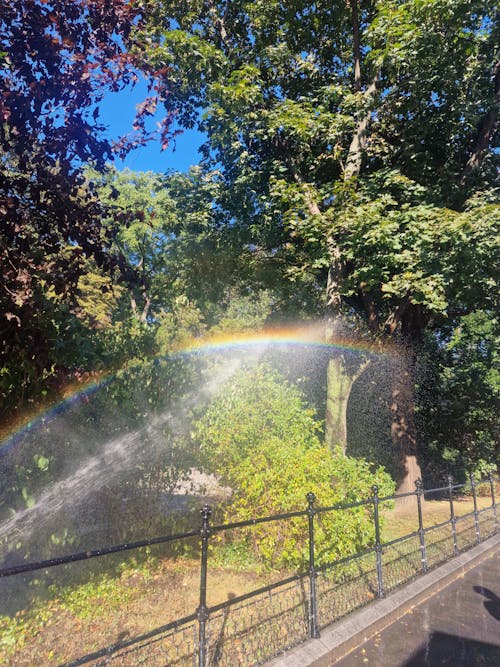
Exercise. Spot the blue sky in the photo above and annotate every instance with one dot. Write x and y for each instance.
(117, 111)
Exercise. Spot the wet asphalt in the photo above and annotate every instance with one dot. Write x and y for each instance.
(457, 627)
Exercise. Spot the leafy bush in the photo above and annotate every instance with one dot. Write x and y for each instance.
(262, 441)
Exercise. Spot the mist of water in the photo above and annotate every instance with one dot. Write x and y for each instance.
(104, 459)
(114, 461)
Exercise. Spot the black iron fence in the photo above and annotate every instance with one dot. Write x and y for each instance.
(252, 628)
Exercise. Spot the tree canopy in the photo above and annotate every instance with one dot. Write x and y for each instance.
(356, 139)
(315, 109)
(350, 167)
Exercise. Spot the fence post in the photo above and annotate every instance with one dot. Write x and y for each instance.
(476, 514)
(202, 610)
(378, 548)
(493, 502)
(453, 520)
(313, 609)
(421, 532)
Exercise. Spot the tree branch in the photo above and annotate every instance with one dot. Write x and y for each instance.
(312, 205)
(145, 310)
(335, 275)
(371, 312)
(336, 269)
(486, 130)
(394, 319)
(356, 45)
(358, 141)
(220, 25)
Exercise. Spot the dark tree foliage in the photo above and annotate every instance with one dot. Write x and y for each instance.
(458, 394)
(57, 60)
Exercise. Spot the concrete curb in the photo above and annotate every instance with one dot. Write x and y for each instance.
(341, 638)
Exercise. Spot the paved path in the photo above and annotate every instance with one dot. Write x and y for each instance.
(459, 627)
(449, 616)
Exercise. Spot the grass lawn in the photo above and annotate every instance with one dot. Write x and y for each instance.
(403, 519)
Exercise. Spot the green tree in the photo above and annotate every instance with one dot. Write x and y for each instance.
(173, 237)
(197, 270)
(315, 109)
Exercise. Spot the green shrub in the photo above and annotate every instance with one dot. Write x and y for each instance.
(262, 441)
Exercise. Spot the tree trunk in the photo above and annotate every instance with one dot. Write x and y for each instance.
(338, 389)
(403, 430)
(340, 380)
(340, 377)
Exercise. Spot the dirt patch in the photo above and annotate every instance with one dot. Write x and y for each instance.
(64, 631)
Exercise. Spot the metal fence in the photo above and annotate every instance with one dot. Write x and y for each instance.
(252, 628)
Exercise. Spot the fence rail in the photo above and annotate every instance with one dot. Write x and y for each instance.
(252, 628)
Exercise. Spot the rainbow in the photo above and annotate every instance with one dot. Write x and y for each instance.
(45, 415)
(307, 336)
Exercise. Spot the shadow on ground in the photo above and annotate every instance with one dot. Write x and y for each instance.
(444, 649)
